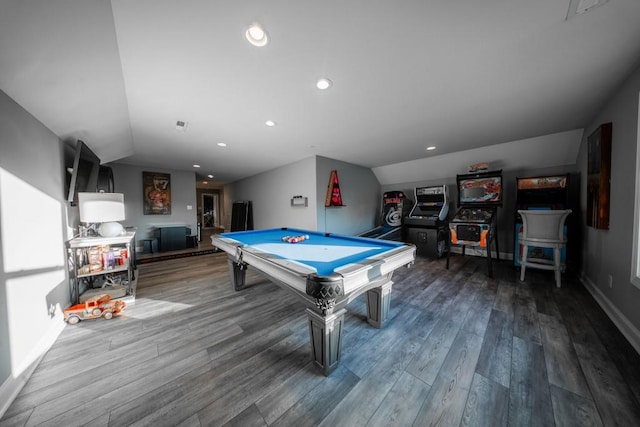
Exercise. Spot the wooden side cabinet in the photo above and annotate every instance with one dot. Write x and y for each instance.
(102, 265)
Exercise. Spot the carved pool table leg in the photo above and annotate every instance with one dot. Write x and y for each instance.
(378, 300)
(237, 273)
(325, 333)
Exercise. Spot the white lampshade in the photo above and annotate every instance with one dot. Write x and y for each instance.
(103, 208)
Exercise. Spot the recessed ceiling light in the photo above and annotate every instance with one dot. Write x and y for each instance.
(205, 182)
(270, 123)
(323, 84)
(256, 35)
(431, 148)
(209, 176)
(221, 144)
(196, 166)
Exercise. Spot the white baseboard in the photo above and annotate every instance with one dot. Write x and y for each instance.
(631, 333)
(10, 388)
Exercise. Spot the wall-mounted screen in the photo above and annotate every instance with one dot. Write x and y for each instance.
(480, 188)
(84, 173)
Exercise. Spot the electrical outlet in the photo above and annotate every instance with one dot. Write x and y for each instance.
(610, 281)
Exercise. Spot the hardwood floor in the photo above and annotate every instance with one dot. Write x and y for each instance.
(459, 349)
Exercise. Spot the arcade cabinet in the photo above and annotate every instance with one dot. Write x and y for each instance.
(540, 192)
(476, 221)
(394, 207)
(426, 225)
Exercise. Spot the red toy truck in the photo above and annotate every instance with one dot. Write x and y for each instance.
(98, 306)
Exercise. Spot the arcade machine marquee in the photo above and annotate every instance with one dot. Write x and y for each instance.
(426, 226)
(475, 222)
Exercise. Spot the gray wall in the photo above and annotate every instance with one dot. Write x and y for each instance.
(33, 227)
(360, 191)
(271, 192)
(608, 252)
(128, 180)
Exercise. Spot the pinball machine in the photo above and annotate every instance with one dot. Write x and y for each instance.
(475, 223)
(426, 226)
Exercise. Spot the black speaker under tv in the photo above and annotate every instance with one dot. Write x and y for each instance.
(84, 172)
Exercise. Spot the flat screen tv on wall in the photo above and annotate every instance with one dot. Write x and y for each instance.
(84, 172)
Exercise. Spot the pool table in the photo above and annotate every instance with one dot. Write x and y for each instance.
(326, 271)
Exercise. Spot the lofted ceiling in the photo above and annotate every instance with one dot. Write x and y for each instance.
(459, 75)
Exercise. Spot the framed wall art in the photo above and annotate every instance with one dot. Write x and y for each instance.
(599, 176)
(156, 196)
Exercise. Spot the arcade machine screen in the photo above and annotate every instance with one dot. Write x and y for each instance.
(549, 192)
(480, 190)
(432, 204)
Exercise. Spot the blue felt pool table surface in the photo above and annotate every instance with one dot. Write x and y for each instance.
(323, 252)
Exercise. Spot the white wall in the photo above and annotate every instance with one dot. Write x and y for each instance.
(608, 252)
(33, 228)
(271, 192)
(128, 180)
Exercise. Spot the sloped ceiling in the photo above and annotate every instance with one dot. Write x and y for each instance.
(460, 75)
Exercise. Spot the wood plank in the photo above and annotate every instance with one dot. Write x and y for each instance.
(529, 397)
(357, 407)
(362, 359)
(250, 417)
(448, 395)
(563, 367)
(570, 410)
(525, 323)
(286, 394)
(615, 401)
(401, 405)
(505, 297)
(108, 391)
(428, 360)
(480, 311)
(487, 404)
(495, 356)
(313, 407)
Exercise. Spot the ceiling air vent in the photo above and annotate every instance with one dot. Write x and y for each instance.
(577, 7)
(181, 126)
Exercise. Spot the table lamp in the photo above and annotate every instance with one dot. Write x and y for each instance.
(104, 209)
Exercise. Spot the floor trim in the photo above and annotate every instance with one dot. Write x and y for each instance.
(617, 317)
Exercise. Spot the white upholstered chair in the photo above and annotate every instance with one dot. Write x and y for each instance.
(543, 229)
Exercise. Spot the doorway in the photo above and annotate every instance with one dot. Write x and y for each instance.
(209, 212)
